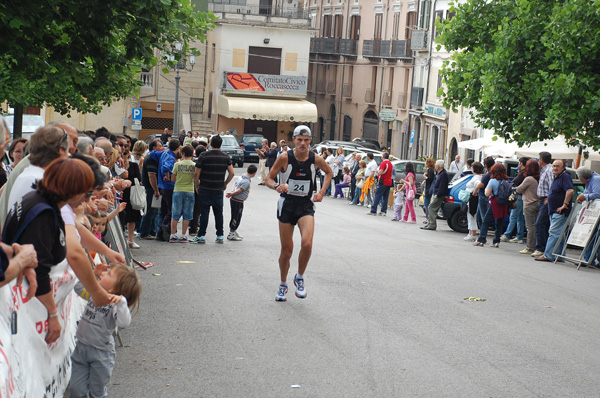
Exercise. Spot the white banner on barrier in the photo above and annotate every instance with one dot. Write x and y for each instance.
(585, 224)
(28, 366)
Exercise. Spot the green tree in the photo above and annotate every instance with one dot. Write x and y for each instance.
(530, 69)
(81, 55)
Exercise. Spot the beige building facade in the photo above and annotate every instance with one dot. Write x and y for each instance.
(258, 72)
(361, 70)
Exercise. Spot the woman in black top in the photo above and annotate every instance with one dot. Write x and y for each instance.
(429, 178)
(36, 219)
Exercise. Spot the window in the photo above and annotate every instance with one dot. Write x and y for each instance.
(355, 27)
(425, 14)
(326, 32)
(411, 22)
(450, 15)
(264, 60)
(439, 84)
(338, 27)
(396, 26)
(439, 17)
(378, 26)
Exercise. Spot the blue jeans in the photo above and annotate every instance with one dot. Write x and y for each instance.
(482, 208)
(183, 205)
(557, 224)
(517, 218)
(357, 193)
(148, 226)
(426, 202)
(488, 220)
(381, 197)
(590, 246)
(209, 198)
(542, 224)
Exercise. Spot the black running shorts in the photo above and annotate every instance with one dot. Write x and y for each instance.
(290, 210)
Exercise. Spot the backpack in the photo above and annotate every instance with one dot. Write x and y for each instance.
(504, 192)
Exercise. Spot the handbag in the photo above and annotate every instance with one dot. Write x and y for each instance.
(464, 195)
(410, 193)
(360, 183)
(137, 196)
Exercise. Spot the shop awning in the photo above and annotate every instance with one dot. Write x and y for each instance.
(291, 110)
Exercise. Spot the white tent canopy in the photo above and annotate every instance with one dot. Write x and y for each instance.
(557, 147)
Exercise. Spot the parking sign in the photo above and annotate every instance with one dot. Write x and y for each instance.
(136, 113)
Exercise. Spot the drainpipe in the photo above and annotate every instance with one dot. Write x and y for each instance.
(319, 15)
(387, 12)
(410, 124)
(426, 92)
(340, 135)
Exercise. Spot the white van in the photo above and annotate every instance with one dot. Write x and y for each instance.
(30, 124)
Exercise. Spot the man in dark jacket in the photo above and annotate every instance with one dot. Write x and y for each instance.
(438, 193)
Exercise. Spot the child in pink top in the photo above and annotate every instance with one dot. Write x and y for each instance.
(344, 184)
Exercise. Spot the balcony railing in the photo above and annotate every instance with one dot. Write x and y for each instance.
(323, 45)
(401, 49)
(370, 96)
(332, 46)
(419, 40)
(371, 49)
(386, 99)
(348, 47)
(402, 100)
(147, 78)
(347, 92)
(331, 87)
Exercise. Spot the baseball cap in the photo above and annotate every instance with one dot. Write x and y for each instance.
(302, 130)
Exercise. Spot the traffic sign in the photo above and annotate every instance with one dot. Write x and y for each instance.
(387, 115)
(136, 113)
(412, 138)
(136, 124)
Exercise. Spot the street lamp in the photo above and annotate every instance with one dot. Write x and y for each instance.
(181, 64)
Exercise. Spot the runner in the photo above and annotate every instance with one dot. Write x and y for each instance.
(297, 183)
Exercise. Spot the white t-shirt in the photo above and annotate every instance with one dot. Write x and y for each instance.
(23, 184)
(371, 167)
(68, 217)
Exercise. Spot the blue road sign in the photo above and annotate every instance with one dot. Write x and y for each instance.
(136, 114)
(412, 137)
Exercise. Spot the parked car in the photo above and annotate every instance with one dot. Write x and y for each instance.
(335, 144)
(452, 207)
(373, 144)
(420, 169)
(249, 143)
(231, 147)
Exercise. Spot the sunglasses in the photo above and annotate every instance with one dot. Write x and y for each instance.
(89, 194)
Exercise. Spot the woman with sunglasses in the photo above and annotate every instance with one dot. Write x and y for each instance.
(36, 219)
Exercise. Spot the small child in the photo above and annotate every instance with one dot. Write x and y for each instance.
(236, 199)
(398, 202)
(99, 218)
(94, 355)
(183, 194)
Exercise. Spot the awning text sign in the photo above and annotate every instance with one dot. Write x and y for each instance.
(276, 84)
(436, 111)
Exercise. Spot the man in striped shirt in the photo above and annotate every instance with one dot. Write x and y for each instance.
(542, 224)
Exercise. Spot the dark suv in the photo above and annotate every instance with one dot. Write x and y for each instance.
(249, 143)
(231, 147)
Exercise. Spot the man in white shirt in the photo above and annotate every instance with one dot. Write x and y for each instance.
(456, 166)
(334, 168)
(370, 172)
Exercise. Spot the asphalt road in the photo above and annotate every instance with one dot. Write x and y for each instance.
(385, 316)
